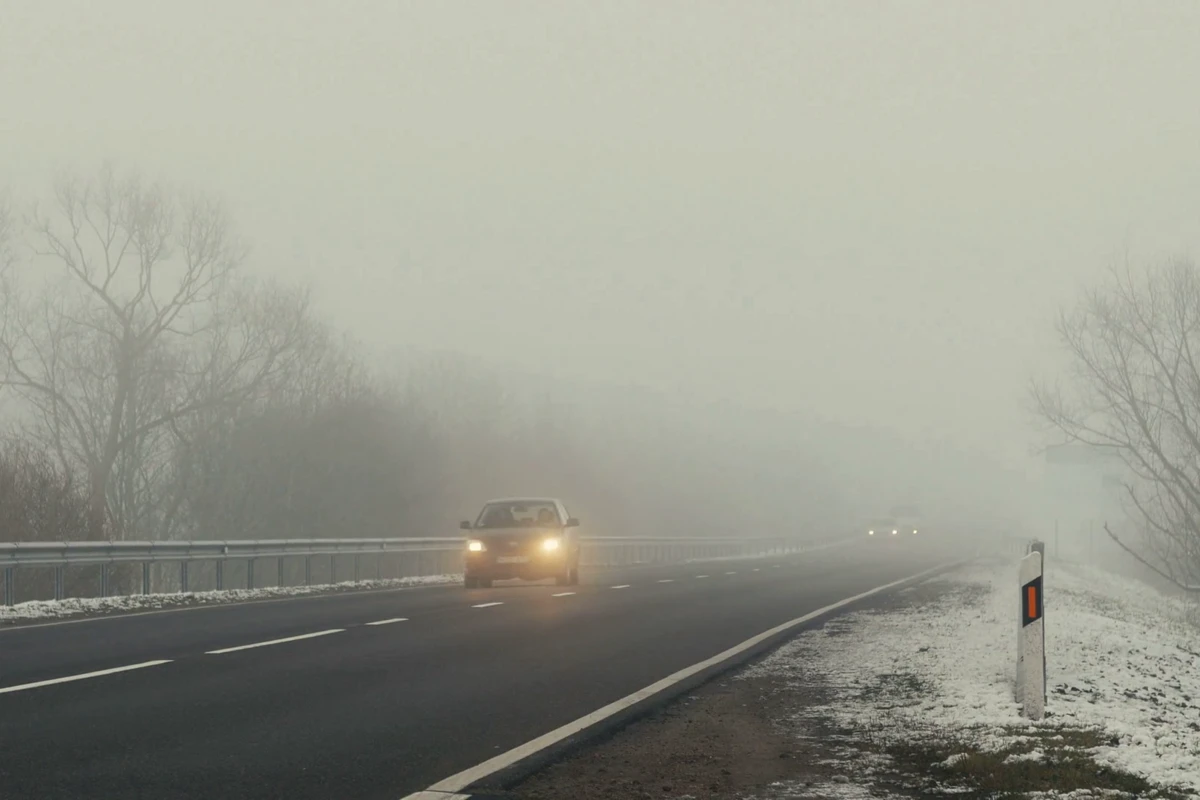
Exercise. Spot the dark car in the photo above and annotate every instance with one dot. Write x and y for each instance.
(525, 538)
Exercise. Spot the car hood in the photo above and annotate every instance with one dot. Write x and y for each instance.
(513, 533)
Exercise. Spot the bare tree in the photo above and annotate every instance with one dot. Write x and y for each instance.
(7, 224)
(137, 322)
(1134, 386)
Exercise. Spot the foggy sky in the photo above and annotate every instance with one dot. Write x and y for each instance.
(865, 212)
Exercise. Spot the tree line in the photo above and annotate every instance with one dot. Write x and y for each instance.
(152, 388)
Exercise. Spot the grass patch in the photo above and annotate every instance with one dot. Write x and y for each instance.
(894, 687)
(1038, 760)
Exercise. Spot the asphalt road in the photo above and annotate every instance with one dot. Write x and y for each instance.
(376, 710)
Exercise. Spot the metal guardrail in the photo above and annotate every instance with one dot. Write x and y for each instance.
(447, 554)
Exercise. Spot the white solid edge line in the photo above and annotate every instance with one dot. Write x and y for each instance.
(487, 605)
(69, 678)
(388, 621)
(272, 641)
(467, 777)
(562, 594)
(621, 586)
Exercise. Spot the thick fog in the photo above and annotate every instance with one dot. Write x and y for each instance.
(766, 264)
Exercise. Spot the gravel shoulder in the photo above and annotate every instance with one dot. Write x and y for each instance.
(730, 739)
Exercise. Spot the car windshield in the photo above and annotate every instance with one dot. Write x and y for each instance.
(518, 514)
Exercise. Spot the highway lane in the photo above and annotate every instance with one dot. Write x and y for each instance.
(375, 711)
(42, 651)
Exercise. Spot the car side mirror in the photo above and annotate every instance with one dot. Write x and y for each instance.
(466, 526)
(572, 523)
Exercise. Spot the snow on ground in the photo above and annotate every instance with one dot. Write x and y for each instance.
(94, 606)
(1122, 659)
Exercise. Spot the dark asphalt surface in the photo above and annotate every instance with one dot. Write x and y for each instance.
(377, 711)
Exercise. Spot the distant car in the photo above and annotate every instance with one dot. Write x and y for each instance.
(890, 528)
(526, 538)
(882, 527)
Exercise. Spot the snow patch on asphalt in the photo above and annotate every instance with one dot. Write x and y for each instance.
(1124, 659)
(99, 606)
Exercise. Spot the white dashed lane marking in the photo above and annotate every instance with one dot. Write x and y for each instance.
(622, 586)
(667, 580)
(731, 573)
(274, 641)
(487, 605)
(389, 621)
(562, 594)
(701, 576)
(69, 678)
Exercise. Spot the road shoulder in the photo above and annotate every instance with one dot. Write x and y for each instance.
(885, 702)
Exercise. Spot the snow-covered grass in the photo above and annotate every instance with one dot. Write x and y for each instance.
(930, 683)
(97, 606)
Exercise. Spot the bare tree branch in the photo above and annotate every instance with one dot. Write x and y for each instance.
(1133, 384)
(136, 324)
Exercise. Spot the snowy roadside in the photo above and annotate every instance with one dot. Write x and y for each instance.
(919, 698)
(99, 606)
(912, 697)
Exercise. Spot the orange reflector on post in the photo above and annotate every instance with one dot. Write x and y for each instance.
(1031, 601)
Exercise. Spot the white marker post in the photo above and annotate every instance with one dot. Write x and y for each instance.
(1031, 639)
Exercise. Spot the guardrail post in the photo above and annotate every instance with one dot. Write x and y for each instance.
(58, 583)
(250, 573)
(332, 568)
(220, 575)
(104, 580)
(9, 592)
(145, 577)
(357, 566)
(183, 576)
(1031, 639)
(308, 570)
(279, 571)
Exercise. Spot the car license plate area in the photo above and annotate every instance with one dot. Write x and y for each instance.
(512, 560)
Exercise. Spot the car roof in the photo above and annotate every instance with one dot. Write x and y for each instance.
(522, 500)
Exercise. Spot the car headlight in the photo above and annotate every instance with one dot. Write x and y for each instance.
(895, 532)
(914, 530)
(870, 533)
(475, 546)
(551, 545)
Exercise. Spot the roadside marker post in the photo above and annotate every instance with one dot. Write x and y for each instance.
(1031, 637)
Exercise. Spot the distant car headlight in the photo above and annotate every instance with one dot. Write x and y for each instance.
(870, 533)
(550, 545)
(475, 546)
(914, 530)
(894, 532)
